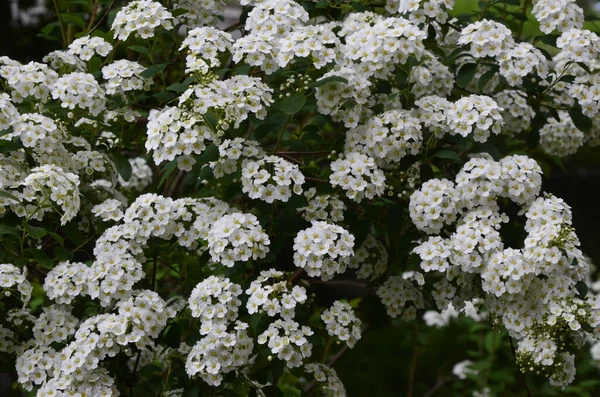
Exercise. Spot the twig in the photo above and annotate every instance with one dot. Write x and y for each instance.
(174, 183)
(297, 274)
(94, 11)
(110, 6)
(411, 374)
(438, 384)
(521, 375)
(137, 361)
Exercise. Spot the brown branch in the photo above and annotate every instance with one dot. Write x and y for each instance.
(110, 6)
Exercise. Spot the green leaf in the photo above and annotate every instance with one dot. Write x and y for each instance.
(122, 164)
(291, 104)
(581, 121)
(138, 48)
(582, 289)
(5, 194)
(168, 170)
(58, 238)
(35, 232)
(73, 19)
(447, 154)
(485, 78)
(180, 87)
(40, 257)
(5, 229)
(62, 253)
(465, 74)
(153, 70)
(192, 390)
(173, 336)
(327, 80)
(492, 341)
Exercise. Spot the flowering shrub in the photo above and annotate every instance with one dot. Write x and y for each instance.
(181, 202)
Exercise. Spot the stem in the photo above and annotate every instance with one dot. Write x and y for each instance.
(137, 361)
(281, 134)
(154, 266)
(60, 23)
(93, 17)
(411, 374)
(520, 375)
(111, 5)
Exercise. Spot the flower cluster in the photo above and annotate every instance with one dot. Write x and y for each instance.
(358, 175)
(230, 153)
(79, 90)
(31, 80)
(322, 207)
(124, 75)
(476, 114)
(487, 38)
(287, 339)
(521, 60)
(11, 277)
(237, 237)
(323, 249)
(141, 17)
(558, 15)
(327, 379)
(203, 45)
(269, 293)
(370, 259)
(215, 301)
(85, 47)
(396, 293)
(341, 322)
(517, 113)
(561, 137)
(270, 178)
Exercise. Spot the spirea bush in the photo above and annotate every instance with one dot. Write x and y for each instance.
(189, 208)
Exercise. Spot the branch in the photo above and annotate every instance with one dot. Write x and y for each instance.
(110, 6)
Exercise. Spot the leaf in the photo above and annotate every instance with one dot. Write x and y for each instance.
(138, 48)
(581, 121)
(73, 20)
(485, 78)
(122, 164)
(465, 74)
(192, 390)
(180, 87)
(492, 341)
(291, 104)
(35, 232)
(168, 170)
(447, 154)
(40, 257)
(327, 80)
(62, 253)
(153, 70)
(5, 194)
(582, 289)
(173, 336)
(58, 238)
(5, 229)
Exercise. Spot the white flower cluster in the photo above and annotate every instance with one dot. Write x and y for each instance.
(109, 210)
(433, 111)
(220, 352)
(237, 237)
(487, 38)
(387, 137)
(401, 296)
(323, 249)
(52, 183)
(204, 13)
(203, 46)
(442, 318)
(378, 43)
(287, 339)
(517, 113)
(79, 90)
(579, 45)
(66, 281)
(85, 47)
(55, 324)
(418, 11)
(31, 80)
(8, 113)
(478, 115)
(270, 178)
(521, 60)
(558, 15)
(231, 151)
(316, 42)
(123, 75)
(342, 323)
(333, 96)
(370, 260)
(561, 138)
(327, 379)
(434, 205)
(11, 277)
(322, 207)
(141, 17)
(215, 301)
(358, 175)
(34, 127)
(64, 61)
(269, 293)
(431, 78)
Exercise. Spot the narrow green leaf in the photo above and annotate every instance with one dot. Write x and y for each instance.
(465, 74)
(5, 229)
(180, 87)
(140, 49)
(581, 121)
(447, 154)
(327, 80)
(40, 257)
(173, 336)
(582, 289)
(62, 253)
(5, 194)
(153, 70)
(485, 78)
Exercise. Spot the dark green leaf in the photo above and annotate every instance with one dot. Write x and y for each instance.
(35, 232)
(180, 87)
(62, 253)
(192, 390)
(465, 74)
(582, 289)
(122, 164)
(5, 229)
(153, 70)
(138, 48)
(327, 80)
(58, 238)
(291, 104)
(39, 256)
(173, 336)
(5, 194)
(167, 170)
(447, 154)
(485, 78)
(581, 121)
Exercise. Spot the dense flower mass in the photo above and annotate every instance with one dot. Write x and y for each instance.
(190, 206)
